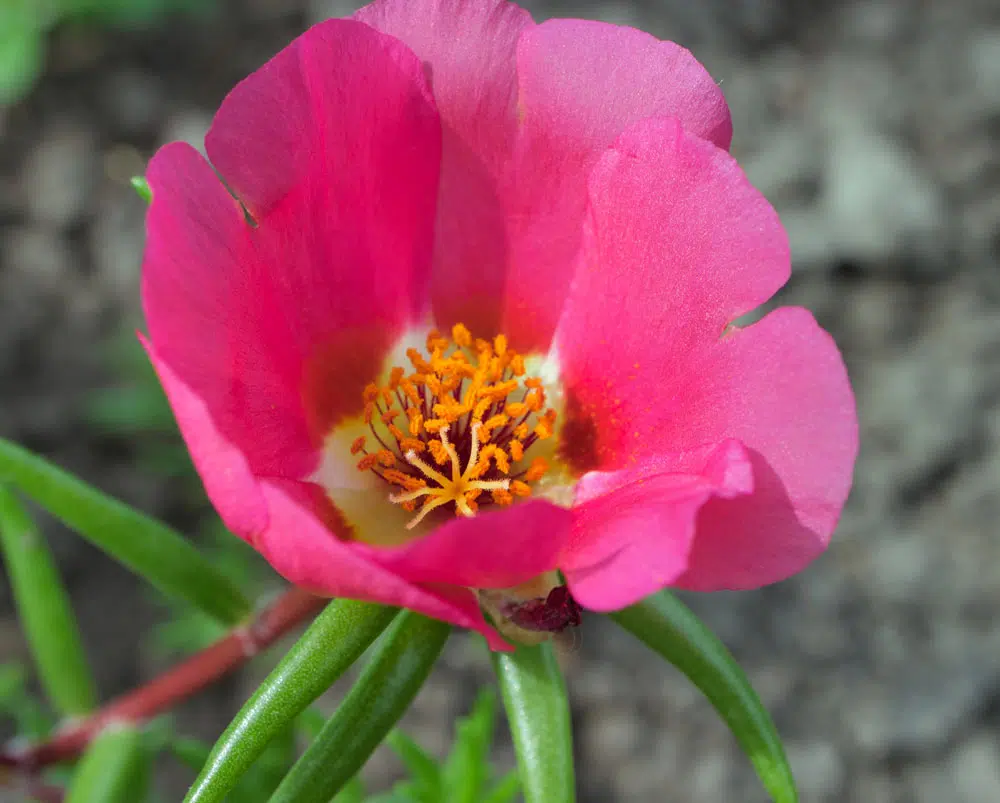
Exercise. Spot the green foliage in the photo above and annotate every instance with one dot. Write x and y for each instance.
(670, 628)
(534, 696)
(261, 778)
(397, 669)
(142, 188)
(162, 556)
(46, 614)
(429, 781)
(334, 641)
(22, 48)
(187, 629)
(31, 718)
(114, 769)
(465, 776)
(24, 25)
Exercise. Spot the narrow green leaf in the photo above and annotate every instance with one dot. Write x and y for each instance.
(354, 792)
(506, 789)
(400, 793)
(671, 629)
(45, 610)
(534, 696)
(466, 772)
(142, 188)
(148, 547)
(192, 753)
(11, 682)
(334, 641)
(22, 58)
(32, 720)
(423, 769)
(310, 723)
(390, 681)
(115, 769)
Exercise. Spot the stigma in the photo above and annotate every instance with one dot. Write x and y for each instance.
(454, 433)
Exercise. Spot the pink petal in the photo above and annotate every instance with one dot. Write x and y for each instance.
(339, 114)
(527, 111)
(224, 470)
(469, 49)
(633, 529)
(677, 246)
(280, 519)
(345, 179)
(496, 549)
(780, 386)
(306, 553)
(204, 317)
(278, 327)
(581, 84)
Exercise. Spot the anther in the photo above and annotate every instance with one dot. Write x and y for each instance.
(463, 432)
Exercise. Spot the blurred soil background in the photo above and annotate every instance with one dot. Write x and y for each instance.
(874, 127)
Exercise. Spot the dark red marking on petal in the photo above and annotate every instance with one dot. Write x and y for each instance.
(578, 436)
(337, 373)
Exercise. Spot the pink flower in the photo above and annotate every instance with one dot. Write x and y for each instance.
(547, 218)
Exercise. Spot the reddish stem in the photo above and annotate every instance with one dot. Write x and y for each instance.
(45, 793)
(175, 685)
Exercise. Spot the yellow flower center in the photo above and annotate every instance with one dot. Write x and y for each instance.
(458, 427)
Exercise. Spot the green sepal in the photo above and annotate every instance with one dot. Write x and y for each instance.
(142, 188)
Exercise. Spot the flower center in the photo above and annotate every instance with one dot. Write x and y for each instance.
(456, 428)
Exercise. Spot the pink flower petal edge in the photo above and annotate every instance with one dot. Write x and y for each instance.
(581, 84)
(469, 49)
(667, 205)
(527, 112)
(276, 517)
(225, 301)
(567, 184)
(781, 387)
(496, 549)
(304, 551)
(633, 529)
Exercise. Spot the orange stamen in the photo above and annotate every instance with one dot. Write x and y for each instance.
(471, 414)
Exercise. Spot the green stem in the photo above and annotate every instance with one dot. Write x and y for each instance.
(332, 643)
(534, 695)
(113, 770)
(381, 695)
